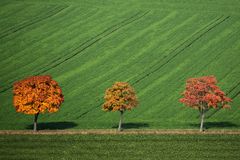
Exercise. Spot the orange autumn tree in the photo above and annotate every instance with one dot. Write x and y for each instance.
(120, 97)
(37, 94)
(202, 93)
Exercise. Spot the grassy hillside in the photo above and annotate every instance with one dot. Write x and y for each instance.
(166, 147)
(88, 45)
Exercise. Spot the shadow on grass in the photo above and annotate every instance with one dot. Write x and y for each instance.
(132, 125)
(53, 125)
(222, 125)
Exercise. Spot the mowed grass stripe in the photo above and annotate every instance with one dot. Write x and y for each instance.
(11, 14)
(97, 38)
(171, 40)
(23, 65)
(229, 73)
(171, 84)
(191, 7)
(190, 29)
(45, 37)
(103, 59)
(52, 32)
(9, 11)
(72, 27)
(212, 47)
(118, 69)
(28, 23)
(207, 56)
(171, 88)
(10, 55)
(118, 73)
(83, 35)
(227, 35)
(222, 52)
(37, 59)
(172, 55)
(9, 87)
(179, 49)
(92, 108)
(126, 55)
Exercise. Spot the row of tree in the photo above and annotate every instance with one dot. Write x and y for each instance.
(40, 94)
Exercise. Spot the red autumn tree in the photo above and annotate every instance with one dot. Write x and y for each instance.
(120, 97)
(202, 93)
(37, 94)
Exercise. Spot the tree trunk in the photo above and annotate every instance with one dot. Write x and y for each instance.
(121, 121)
(202, 120)
(35, 122)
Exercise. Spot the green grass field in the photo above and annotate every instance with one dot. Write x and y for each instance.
(88, 45)
(165, 147)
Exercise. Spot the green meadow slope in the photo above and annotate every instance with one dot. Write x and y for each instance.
(88, 45)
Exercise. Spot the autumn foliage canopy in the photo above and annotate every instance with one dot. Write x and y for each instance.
(120, 97)
(37, 94)
(202, 93)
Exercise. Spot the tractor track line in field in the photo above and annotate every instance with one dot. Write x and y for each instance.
(233, 97)
(205, 31)
(91, 42)
(233, 88)
(91, 109)
(14, 12)
(24, 73)
(29, 23)
(191, 42)
(215, 111)
(190, 45)
(95, 39)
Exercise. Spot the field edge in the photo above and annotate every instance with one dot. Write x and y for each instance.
(124, 132)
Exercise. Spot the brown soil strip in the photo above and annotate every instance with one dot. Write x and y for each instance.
(115, 132)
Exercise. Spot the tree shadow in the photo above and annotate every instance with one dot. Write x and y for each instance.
(208, 125)
(53, 125)
(132, 125)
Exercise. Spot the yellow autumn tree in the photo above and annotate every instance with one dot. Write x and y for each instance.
(120, 97)
(37, 94)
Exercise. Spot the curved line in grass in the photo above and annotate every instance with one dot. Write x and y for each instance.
(35, 45)
(93, 81)
(183, 46)
(17, 9)
(92, 41)
(133, 38)
(33, 21)
(23, 53)
(16, 78)
(206, 29)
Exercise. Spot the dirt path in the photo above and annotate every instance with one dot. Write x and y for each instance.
(115, 132)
